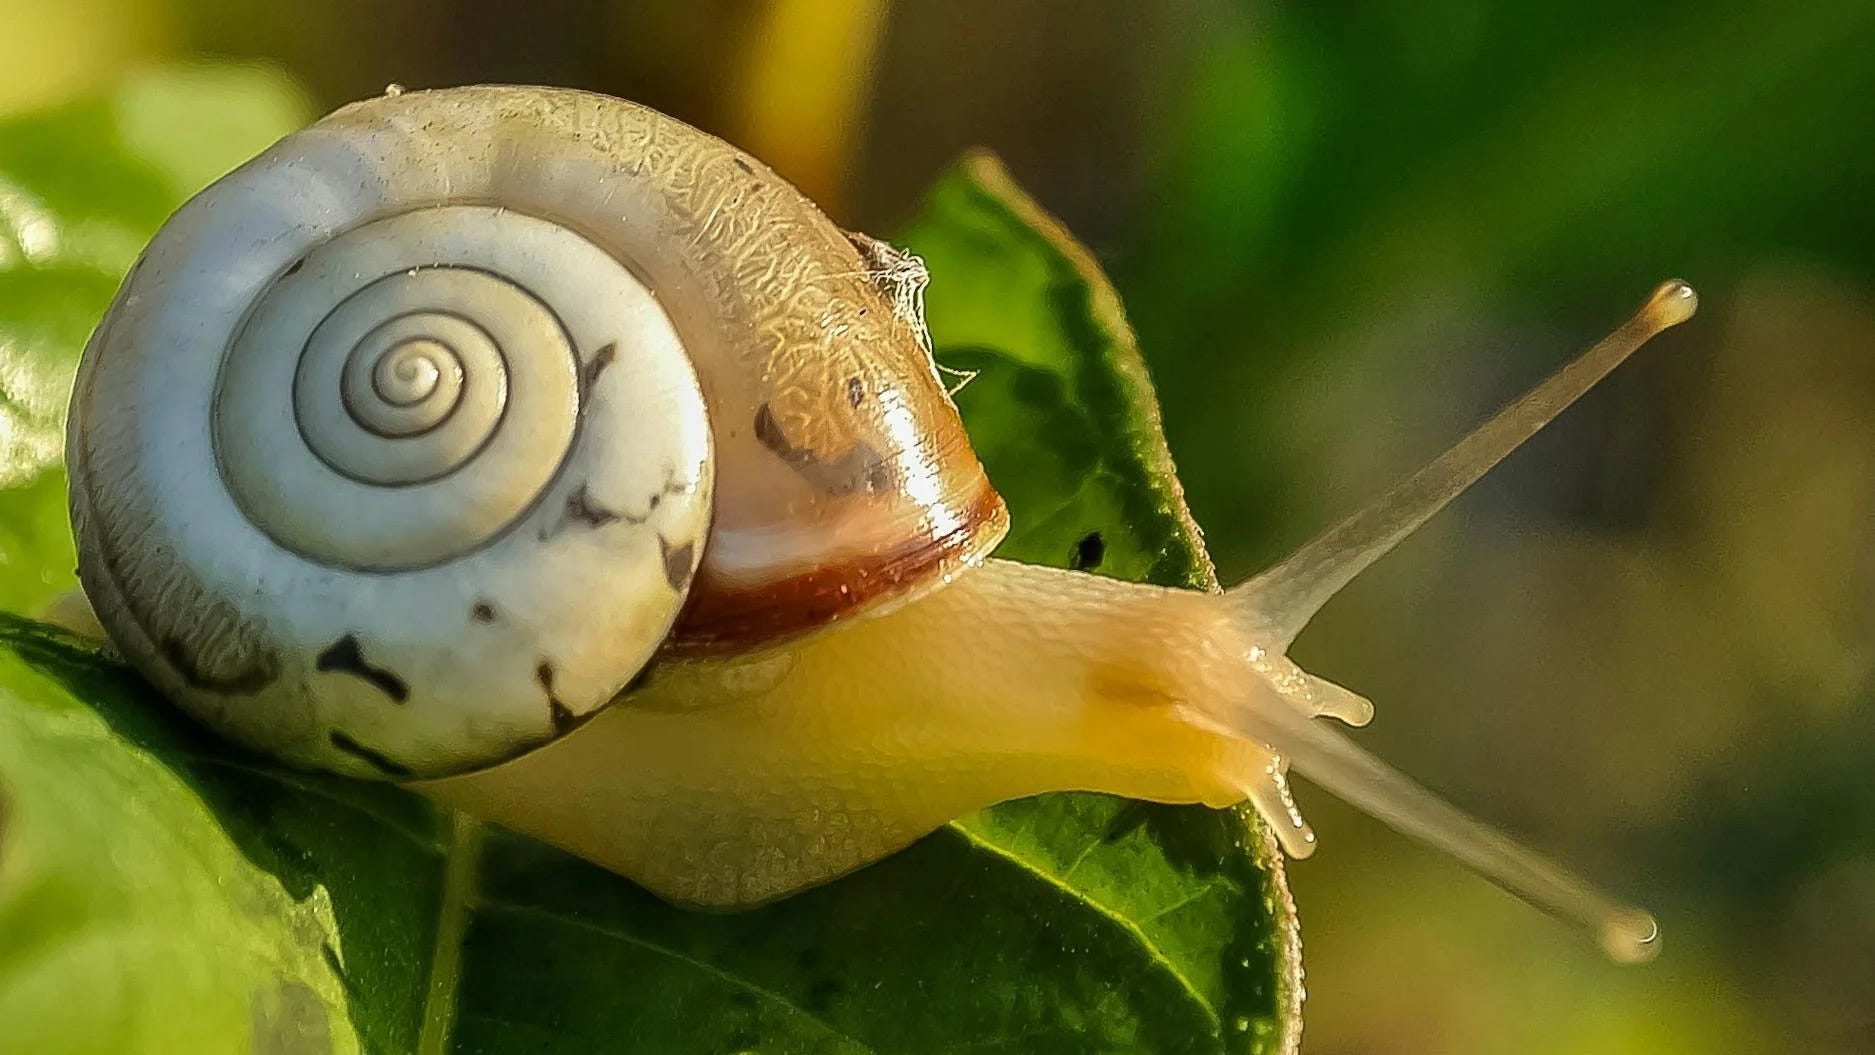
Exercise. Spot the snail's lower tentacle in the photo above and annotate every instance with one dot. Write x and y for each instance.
(1330, 759)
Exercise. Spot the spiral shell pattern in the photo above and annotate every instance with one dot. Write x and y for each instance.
(440, 399)
(377, 469)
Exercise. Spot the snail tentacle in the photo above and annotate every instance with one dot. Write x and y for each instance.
(1284, 598)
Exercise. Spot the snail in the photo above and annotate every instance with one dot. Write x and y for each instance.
(538, 451)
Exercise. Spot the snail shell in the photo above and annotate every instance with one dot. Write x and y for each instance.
(408, 444)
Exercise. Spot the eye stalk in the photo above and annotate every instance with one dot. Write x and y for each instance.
(1284, 598)
(1281, 601)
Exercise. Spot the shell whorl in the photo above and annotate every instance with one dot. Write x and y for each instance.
(380, 467)
(433, 402)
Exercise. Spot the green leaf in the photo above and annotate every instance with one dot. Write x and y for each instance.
(1061, 411)
(82, 188)
(162, 892)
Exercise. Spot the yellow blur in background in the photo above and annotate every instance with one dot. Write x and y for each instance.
(1646, 643)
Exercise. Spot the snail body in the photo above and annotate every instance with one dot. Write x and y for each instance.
(463, 420)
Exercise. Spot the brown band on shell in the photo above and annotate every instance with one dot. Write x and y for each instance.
(724, 617)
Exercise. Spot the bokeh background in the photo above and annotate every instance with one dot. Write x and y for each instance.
(1346, 233)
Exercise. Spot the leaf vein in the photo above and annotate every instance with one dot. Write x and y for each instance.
(780, 999)
(1113, 915)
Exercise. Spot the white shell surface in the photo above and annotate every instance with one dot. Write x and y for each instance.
(377, 475)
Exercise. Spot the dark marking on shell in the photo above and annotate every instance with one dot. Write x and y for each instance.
(860, 470)
(345, 657)
(239, 681)
(1088, 553)
(564, 721)
(743, 164)
(293, 269)
(375, 759)
(483, 612)
(768, 433)
(595, 366)
(679, 563)
(855, 392)
(581, 507)
(562, 716)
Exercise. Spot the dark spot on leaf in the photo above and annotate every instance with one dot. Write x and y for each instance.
(743, 1000)
(376, 759)
(821, 995)
(334, 964)
(679, 563)
(855, 392)
(597, 364)
(345, 657)
(1088, 553)
(483, 612)
(1131, 817)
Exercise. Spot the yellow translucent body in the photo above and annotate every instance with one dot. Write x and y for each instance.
(731, 782)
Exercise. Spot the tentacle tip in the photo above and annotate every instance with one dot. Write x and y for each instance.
(1630, 937)
(1673, 303)
(1298, 842)
(1358, 716)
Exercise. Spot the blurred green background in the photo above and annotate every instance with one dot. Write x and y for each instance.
(1346, 233)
